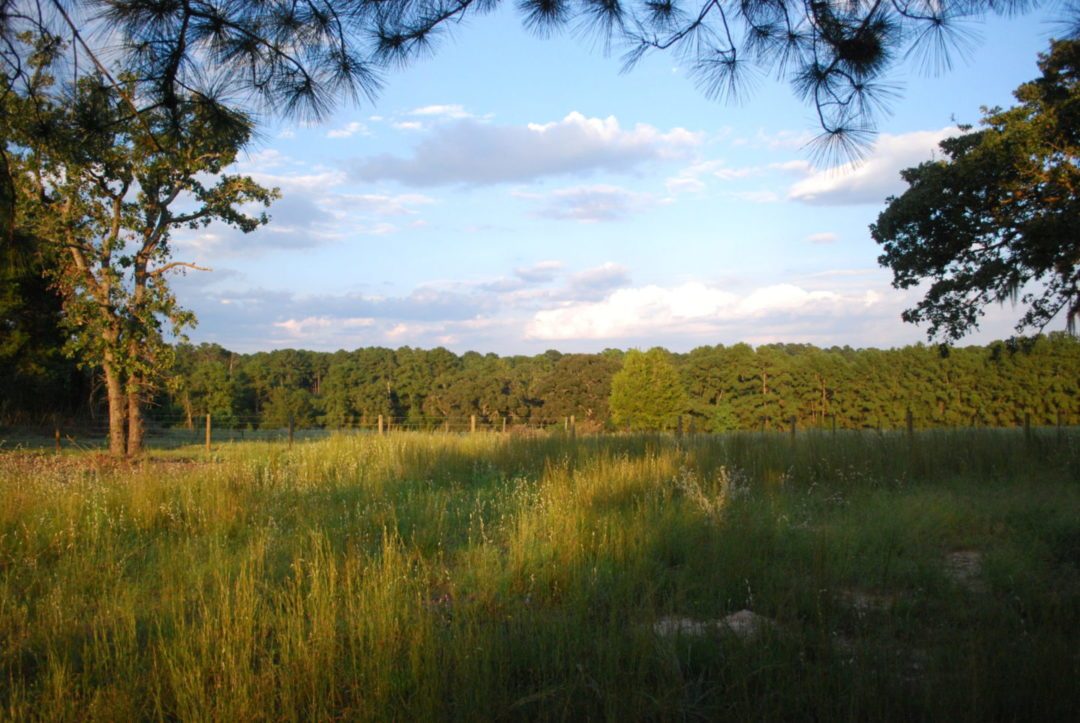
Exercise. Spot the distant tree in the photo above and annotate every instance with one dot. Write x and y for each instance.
(997, 217)
(816, 377)
(711, 383)
(287, 406)
(202, 381)
(338, 407)
(727, 388)
(485, 385)
(578, 385)
(105, 187)
(647, 394)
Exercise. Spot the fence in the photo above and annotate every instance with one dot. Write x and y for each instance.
(207, 430)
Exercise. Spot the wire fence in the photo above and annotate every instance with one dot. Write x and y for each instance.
(168, 432)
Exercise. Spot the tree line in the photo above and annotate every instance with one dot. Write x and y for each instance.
(98, 166)
(710, 389)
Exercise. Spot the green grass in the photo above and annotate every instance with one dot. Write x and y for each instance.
(415, 576)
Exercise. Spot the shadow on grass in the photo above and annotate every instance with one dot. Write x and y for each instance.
(481, 577)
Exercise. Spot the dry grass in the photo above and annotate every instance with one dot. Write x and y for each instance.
(417, 576)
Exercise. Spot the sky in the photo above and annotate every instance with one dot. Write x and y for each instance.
(513, 194)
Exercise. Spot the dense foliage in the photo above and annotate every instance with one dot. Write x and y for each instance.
(647, 394)
(996, 218)
(36, 378)
(99, 190)
(725, 387)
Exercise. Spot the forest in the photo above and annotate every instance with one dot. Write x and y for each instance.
(717, 388)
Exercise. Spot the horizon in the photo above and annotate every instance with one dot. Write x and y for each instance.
(623, 350)
(500, 209)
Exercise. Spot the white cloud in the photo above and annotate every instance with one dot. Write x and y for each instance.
(540, 272)
(408, 125)
(582, 311)
(800, 167)
(825, 237)
(312, 211)
(313, 325)
(692, 307)
(876, 177)
(318, 181)
(453, 112)
(690, 178)
(590, 204)
(402, 204)
(684, 184)
(349, 130)
(471, 152)
(381, 229)
(593, 283)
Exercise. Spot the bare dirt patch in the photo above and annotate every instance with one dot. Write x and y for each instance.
(744, 624)
(965, 568)
(865, 602)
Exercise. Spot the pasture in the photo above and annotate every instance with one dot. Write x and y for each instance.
(417, 576)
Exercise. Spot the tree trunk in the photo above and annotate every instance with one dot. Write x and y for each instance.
(117, 408)
(187, 410)
(135, 381)
(134, 417)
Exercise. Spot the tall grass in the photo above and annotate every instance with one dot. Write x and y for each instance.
(415, 576)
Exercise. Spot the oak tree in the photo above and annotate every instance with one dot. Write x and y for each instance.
(996, 218)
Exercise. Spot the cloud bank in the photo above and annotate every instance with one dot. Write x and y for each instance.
(874, 179)
(691, 307)
(472, 153)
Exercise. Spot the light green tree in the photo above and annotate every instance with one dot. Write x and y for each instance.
(646, 394)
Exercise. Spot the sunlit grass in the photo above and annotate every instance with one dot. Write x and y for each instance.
(416, 576)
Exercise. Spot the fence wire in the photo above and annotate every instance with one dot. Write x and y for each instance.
(173, 431)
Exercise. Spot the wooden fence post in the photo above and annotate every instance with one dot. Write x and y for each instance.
(678, 427)
(573, 426)
(472, 424)
(504, 425)
(291, 430)
(380, 425)
(208, 433)
(56, 432)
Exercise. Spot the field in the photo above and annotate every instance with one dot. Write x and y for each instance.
(414, 577)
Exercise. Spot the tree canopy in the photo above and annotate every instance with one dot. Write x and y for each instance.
(100, 189)
(726, 388)
(647, 394)
(997, 217)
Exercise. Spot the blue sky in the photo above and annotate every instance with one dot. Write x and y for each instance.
(514, 194)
